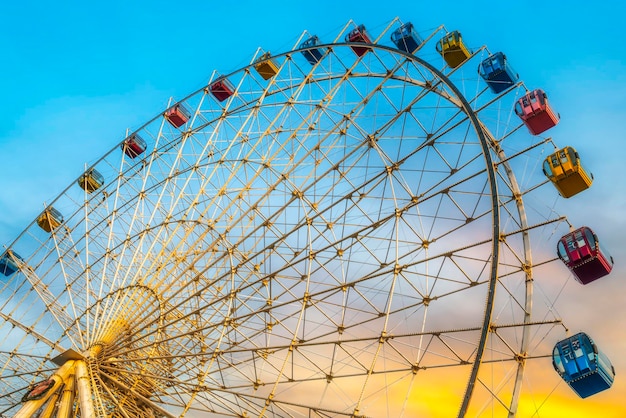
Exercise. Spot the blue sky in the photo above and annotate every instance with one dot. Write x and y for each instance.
(77, 74)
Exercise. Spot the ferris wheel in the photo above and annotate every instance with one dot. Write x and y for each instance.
(342, 229)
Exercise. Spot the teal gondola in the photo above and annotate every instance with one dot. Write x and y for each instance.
(312, 55)
(406, 39)
(582, 366)
(9, 263)
(497, 72)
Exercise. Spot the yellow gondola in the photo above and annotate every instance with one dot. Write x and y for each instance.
(91, 181)
(452, 49)
(564, 170)
(50, 219)
(266, 67)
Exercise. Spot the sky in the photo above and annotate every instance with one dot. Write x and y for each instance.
(76, 75)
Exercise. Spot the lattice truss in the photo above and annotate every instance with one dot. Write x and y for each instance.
(320, 244)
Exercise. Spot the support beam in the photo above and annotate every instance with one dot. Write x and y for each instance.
(50, 406)
(66, 405)
(140, 397)
(30, 407)
(83, 384)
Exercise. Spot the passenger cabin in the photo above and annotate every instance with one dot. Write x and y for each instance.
(359, 34)
(9, 262)
(265, 66)
(406, 39)
(535, 111)
(177, 115)
(564, 170)
(452, 49)
(581, 252)
(582, 366)
(134, 146)
(221, 89)
(91, 181)
(498, 74)
(312, 55)
(50, 219)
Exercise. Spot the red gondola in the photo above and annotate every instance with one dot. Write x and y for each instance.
(535, 111)
(177, 115)
(581, 252)
(133, 146)
(222, 89)
(359, 34)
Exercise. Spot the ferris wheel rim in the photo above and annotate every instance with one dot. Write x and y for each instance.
(347, 45)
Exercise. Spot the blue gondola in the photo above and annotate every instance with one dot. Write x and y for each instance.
(9, 262)
(406, 39)
(497, 72)
(312, 55)
(582, 366)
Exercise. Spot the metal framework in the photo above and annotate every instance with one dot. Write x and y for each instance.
(327, 240)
